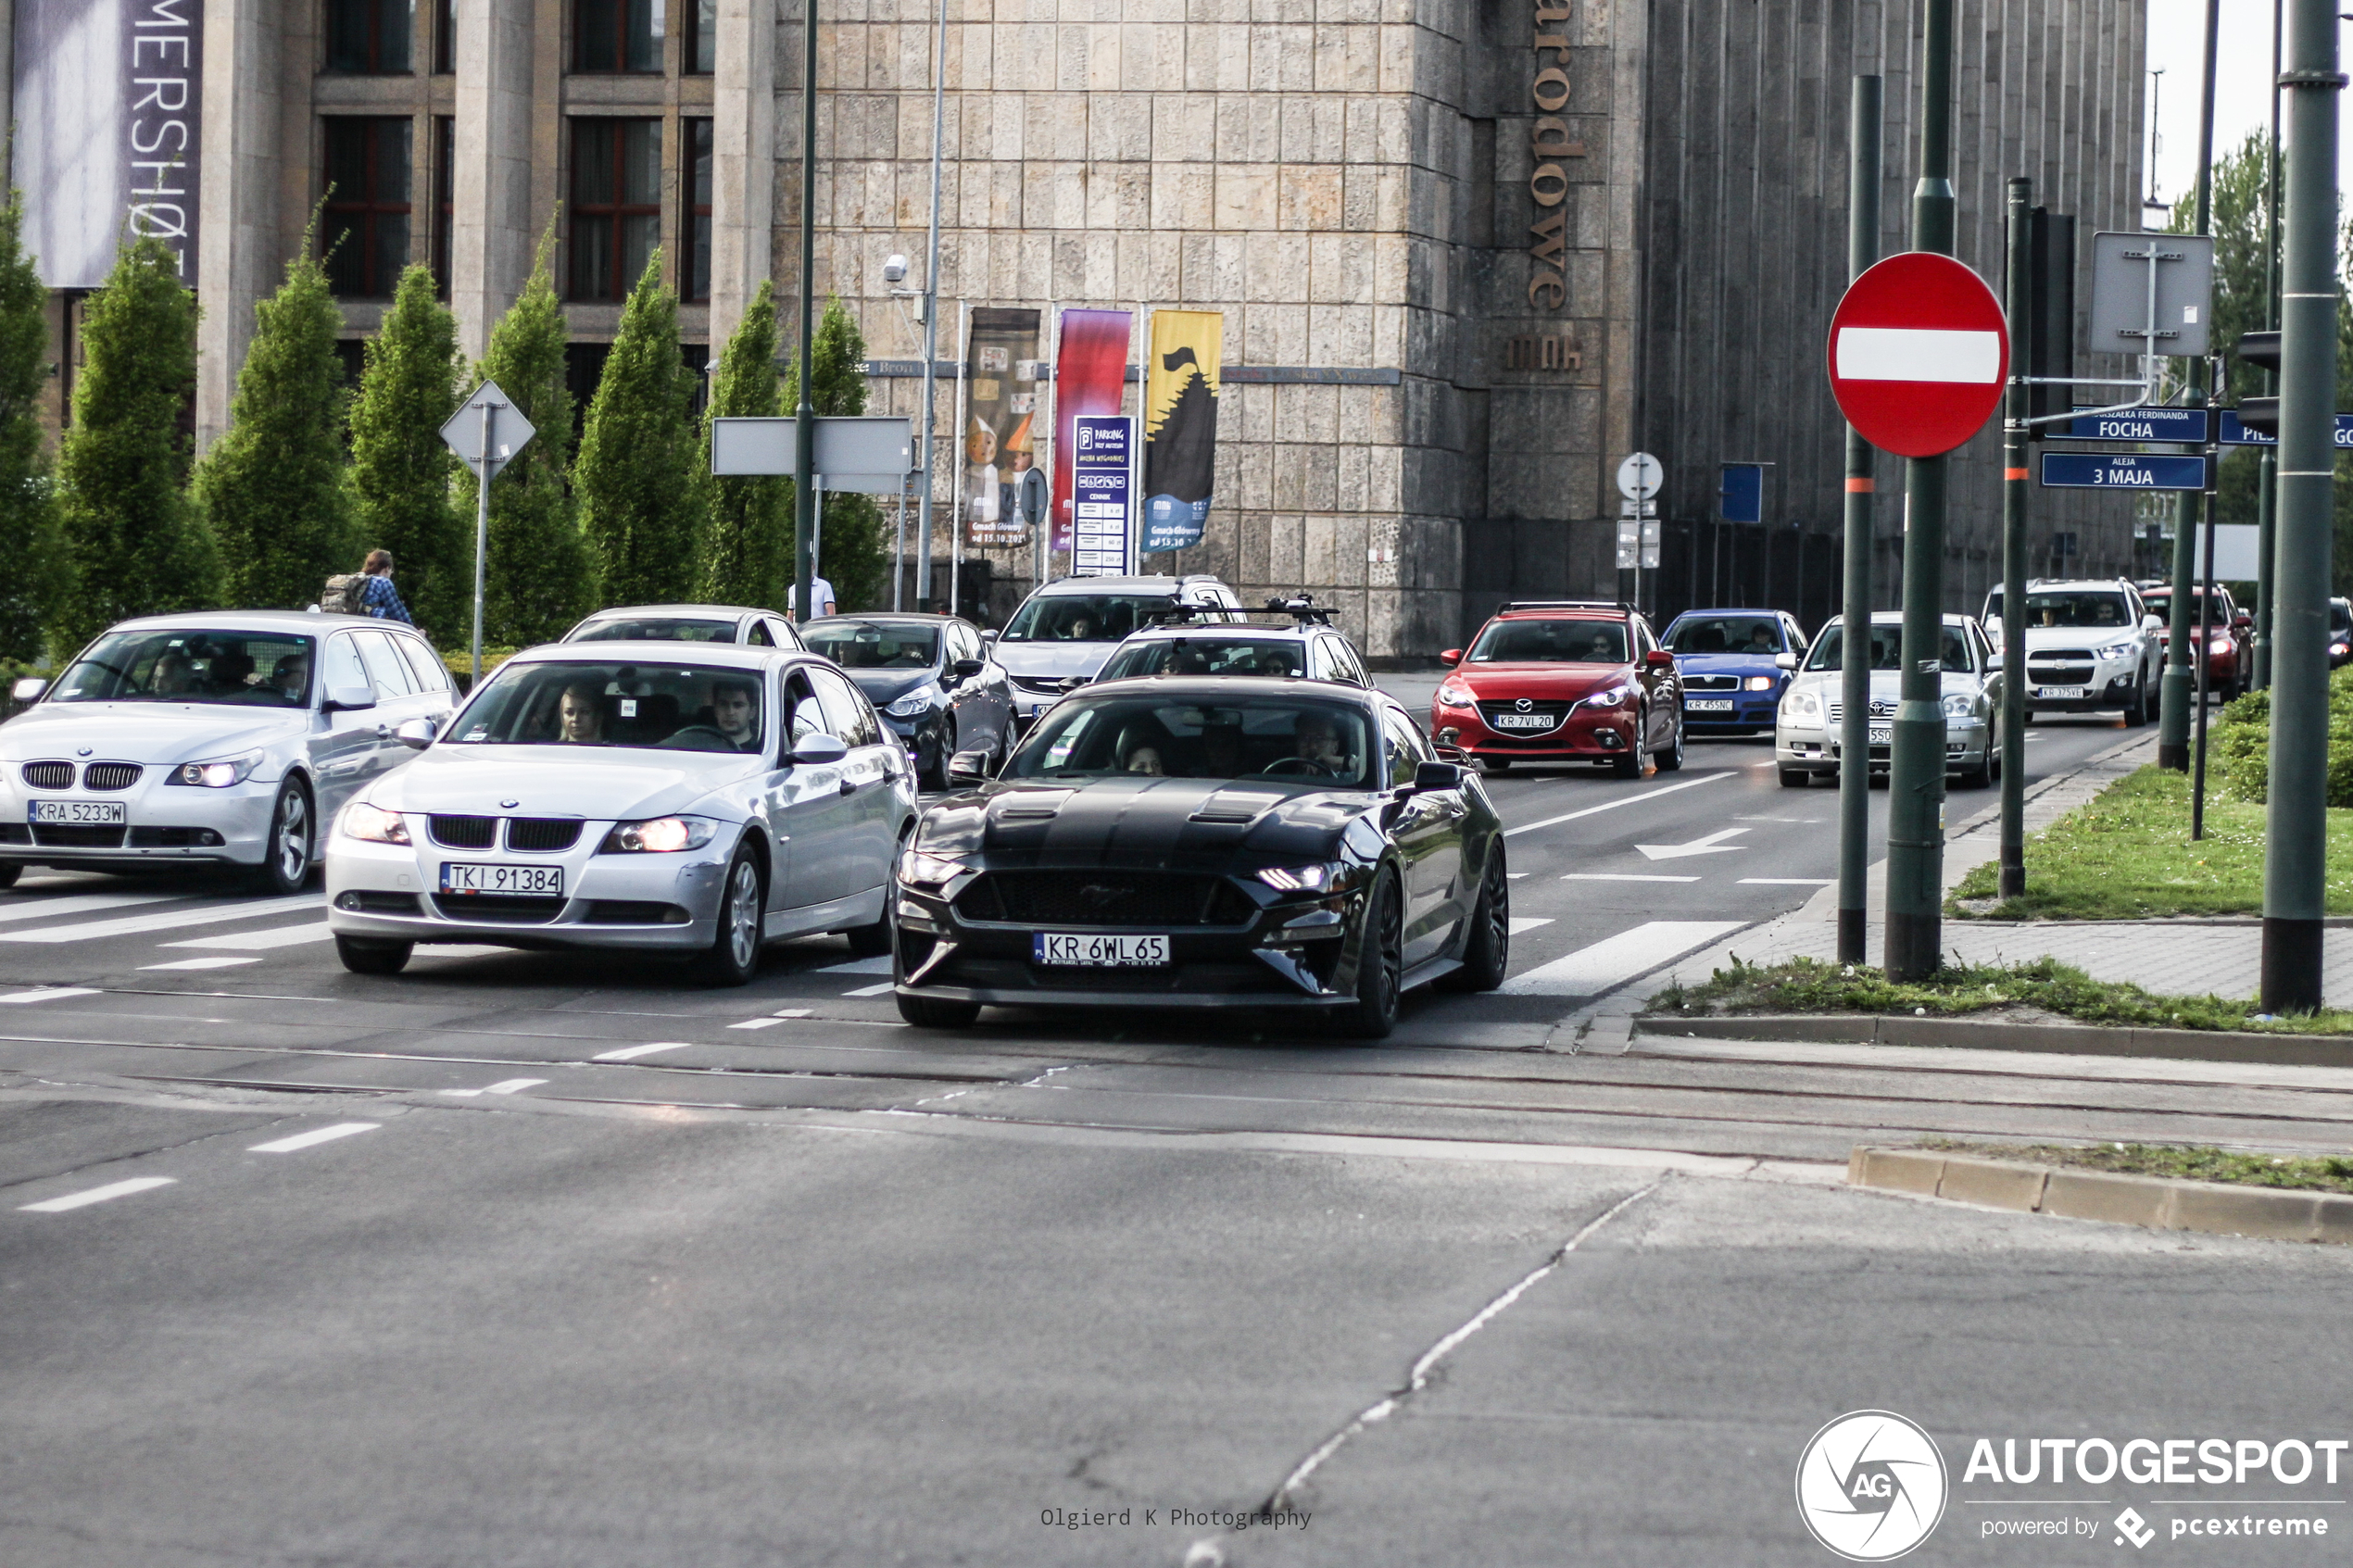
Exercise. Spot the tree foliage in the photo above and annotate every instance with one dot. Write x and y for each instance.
(537, 577)
(402, 474)
(746, 545)
(136, 544)
(38, 574)
(635, 476)
(273, 487)
(851, 552)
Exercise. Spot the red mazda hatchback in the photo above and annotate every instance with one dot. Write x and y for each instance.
(1563, 681)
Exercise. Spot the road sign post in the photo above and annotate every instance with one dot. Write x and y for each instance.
(1864, 117)
(2173, 722)
(2014, 499)
(486, 434)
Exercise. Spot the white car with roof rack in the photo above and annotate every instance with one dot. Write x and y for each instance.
(1291, 637)
(2091, 645)
(1069, 627)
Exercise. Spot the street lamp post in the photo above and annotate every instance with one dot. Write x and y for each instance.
(804, 492)
(2173, 718)
(2266, 501)
(1854, 745)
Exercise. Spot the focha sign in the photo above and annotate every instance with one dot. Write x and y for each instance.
(1550, 140)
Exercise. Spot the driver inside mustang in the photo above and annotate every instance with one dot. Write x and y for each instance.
(735, 708)
(1317, 738)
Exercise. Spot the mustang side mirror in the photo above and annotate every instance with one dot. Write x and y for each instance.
(418, 733)
(820, 749)
(968, 767)
(348, 699)
(29, 689)
(1437, 776)
(965, 669)
(1785, 662)
(1658, 658)
(1450, 657)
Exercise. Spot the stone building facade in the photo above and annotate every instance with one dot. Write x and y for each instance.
(1469, 252)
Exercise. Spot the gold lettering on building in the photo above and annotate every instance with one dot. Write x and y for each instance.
(1549, 143)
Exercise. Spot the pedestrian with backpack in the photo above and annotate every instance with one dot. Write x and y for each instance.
(377, 595)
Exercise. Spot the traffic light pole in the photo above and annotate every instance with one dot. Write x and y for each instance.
(804, 490)
(2173, 725)
(2294, 848)
(2014, 495)
(2266, 500)
(1855, 732)
(1916, 755)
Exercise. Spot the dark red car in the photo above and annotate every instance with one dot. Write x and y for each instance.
(1563, 681)
(2230, 654)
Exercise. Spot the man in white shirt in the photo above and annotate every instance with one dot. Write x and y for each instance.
(820, 598)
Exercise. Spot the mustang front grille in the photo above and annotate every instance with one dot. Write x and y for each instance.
(1125, 898)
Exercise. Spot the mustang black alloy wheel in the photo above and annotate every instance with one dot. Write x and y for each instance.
(1381, 968)
(1487, 944)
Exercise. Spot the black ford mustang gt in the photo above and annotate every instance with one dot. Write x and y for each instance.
(1206, 842)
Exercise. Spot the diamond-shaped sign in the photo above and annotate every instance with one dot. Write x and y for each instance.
(489, 422)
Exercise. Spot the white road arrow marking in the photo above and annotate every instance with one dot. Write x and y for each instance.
(1712, 844)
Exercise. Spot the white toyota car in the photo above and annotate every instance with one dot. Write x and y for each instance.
(1807, 732)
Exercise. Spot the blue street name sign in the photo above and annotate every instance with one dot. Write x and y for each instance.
(2236, 435)
(2123, 470)
(2138, 424)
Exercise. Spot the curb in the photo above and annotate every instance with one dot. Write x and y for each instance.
(2071, 1039)
(2165, 1203)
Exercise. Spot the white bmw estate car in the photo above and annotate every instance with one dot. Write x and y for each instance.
(1807, 732)
(693, 799)
(224, 737)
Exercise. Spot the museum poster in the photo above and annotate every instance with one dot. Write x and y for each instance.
(1180, 425)
(1090, 378)
(1004, 399)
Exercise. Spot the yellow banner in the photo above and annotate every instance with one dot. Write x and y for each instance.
(1180, 425)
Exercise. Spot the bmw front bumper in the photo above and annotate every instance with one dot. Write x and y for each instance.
(164, 824)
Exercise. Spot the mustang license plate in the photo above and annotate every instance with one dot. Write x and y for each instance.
(1524, 722)
(1882, 735)
(1069, 951)
(1708, 704)
(79, 813)
(2061, 694)
(537, 881)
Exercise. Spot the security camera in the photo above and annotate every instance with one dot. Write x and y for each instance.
(894, 269)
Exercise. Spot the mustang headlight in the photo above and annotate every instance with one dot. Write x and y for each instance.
(1609, 698)
(1802, 704)
(1757, 684)
(1960, 706)
(375, 824)
(219, 773)
(915, 704)
(1300, 879)
(659, 835)
(921, 869)
(1453, 696)
(2116, 650)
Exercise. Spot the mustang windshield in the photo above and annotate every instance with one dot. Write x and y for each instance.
(1206, 656)
(659, 629)
(868, 645)
(1299, 740)
(1549, 642)
(666, 706)
(1081, 618)
(1887, 650)
(1725, 634)
(241, 669)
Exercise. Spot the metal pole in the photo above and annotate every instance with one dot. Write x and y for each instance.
(2294, 848)
(1865, 116)
(2181, 684)
(2019, 305)
(804, 521)
(957, 522)
(482, 534)
(931, 296)
(2267, 481)
(1916, 758)
(2205, 645)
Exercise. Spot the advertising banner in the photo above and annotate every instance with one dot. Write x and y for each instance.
(1180, 425)
(1090, 377)
(109, 99)
(1001, 392)
(1102, 454)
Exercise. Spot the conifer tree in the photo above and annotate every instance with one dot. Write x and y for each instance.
(273, 485)
(401, 473)
(745, 547)
(635, 476)
(851, 552)
(137, 545)
(38, 571)
(537, 577)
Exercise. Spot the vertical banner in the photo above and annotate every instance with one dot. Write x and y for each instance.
(1090, 375)
(1001, 387)
(1102, 453)
(109, 99)
(1180, 425)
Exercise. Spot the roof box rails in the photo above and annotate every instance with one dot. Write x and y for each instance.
(1566, 604)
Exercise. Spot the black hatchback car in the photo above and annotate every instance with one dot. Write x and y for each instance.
(1206, 842)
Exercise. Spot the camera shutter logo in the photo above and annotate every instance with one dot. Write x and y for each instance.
(1871, 1485)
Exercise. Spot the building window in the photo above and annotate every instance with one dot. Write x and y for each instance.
(366, 233)
(445, 188)
(694, 242)
(445, 39)
(618, 34)
(616, 203)
(705, 58)
(370, 37)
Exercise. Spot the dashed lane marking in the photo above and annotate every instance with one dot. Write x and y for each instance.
(1529, 923)
(314, 1137)
(261, 941)
(1622, 876)
(39, 909)
(97, 1195)
(1789, 882)
(870, 990)
(509, 1086)
(131, 926)
(630, 1053)
(50, 994)
(1617, 958)
(879, 964)
(220, 962)
(1614, 805)
(757, 1023)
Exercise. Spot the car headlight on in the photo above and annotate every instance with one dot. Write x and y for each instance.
(1300, 879)
(1609, 698)
(1757, 684)
(1960, 706)
(219, 773)
(659, 835)
(915, 704)
(920, 868)
(1453, 697)
(2116, 650)
(1802, 704)
(375, 824)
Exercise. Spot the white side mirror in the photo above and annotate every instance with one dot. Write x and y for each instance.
(1785, 662)
(29, 689)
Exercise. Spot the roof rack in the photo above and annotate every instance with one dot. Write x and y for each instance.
(1300, 607)
(1566, 604)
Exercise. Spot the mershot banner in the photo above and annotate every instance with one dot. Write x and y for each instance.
(109, 100)
(1001, 392)
(1090, 378)
(1180, 425)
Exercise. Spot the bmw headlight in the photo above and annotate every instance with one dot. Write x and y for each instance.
(1960, 705)
(375, 824)
(220, 773)
(1802, 703)
(659, 835)
(915, 704)
(2117, 650)
(920, 868)
(1757, 684)
(1609, 698)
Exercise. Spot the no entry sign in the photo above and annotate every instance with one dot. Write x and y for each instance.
(1919, 351)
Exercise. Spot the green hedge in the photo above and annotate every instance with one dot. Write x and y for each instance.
(2239, 747)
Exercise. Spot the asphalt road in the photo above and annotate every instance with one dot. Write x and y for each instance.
(521, 1258)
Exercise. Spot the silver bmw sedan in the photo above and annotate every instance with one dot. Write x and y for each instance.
(698, 800)
(224, 737)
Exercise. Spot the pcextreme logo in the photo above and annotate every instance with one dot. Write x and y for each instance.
(1871, 1486)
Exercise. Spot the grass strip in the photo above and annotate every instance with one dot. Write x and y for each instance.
(2127, 854)
(2198, 1162)
(1811, 986)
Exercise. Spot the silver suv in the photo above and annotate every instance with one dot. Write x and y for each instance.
(2091, 644)
(1070, 627)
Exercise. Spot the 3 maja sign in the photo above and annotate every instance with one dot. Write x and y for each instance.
(1918, 352)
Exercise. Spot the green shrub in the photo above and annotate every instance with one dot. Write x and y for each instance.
(2239, 746)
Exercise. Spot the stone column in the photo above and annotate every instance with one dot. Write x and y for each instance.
(743, 174)
(491, 232)
(239, 249)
